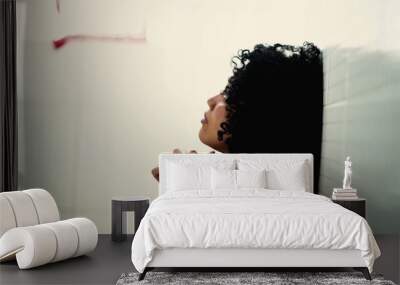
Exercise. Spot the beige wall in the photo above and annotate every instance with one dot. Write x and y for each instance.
(95, 116)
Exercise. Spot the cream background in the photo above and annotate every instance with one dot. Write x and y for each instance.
(93, 117)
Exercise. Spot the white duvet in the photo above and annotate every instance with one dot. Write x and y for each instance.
(251, 218)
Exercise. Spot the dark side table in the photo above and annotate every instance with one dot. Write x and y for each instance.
(119, 205)
(357, 205)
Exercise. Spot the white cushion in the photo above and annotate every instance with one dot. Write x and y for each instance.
(7, 220)
(251, 178)
(67, 239)
(40, 244)
(281, 174)
(288, 179)
(45, 205)
(183, 175)
(23, 208)
(187, 177)
(228, 179)
(87, 233)
(223, 179)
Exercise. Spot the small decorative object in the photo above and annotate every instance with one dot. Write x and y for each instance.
(347, 174)
(347, 192)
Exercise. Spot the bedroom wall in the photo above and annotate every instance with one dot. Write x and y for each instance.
(362, 115)
(94, 116)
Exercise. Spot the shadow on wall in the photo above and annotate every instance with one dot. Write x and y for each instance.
(361, 119)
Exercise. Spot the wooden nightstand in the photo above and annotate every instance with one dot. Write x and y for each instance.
(358, 206)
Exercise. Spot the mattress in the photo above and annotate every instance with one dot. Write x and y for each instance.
(250, 219)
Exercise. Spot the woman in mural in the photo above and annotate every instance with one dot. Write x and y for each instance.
(271, 104)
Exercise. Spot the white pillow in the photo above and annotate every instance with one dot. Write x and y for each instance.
(190, 174)
(251, 178)
(223, 179)
(184, 177)
(287, 179)
(236, 179)
(281, 174)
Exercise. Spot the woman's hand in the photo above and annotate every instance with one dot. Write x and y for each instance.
(156, 171)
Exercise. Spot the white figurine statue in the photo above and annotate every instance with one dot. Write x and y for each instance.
(347, 174)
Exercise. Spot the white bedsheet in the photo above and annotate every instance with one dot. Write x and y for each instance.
(251, 218)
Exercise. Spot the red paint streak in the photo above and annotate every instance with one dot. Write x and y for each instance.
(58, 6)
(59, 43)
(81, 38)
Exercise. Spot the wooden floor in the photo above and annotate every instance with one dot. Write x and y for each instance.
(111, 259)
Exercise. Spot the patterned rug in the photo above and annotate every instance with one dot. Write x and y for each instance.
(231, 278)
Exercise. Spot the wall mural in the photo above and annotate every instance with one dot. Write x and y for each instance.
(272, 103)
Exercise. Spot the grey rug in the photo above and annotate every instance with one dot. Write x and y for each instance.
(228, 278)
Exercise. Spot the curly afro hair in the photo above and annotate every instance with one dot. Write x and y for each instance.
(274, 101)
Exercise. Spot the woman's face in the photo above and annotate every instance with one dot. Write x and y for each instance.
(211, 123)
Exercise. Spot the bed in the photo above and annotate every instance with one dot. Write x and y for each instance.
(245, 211)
